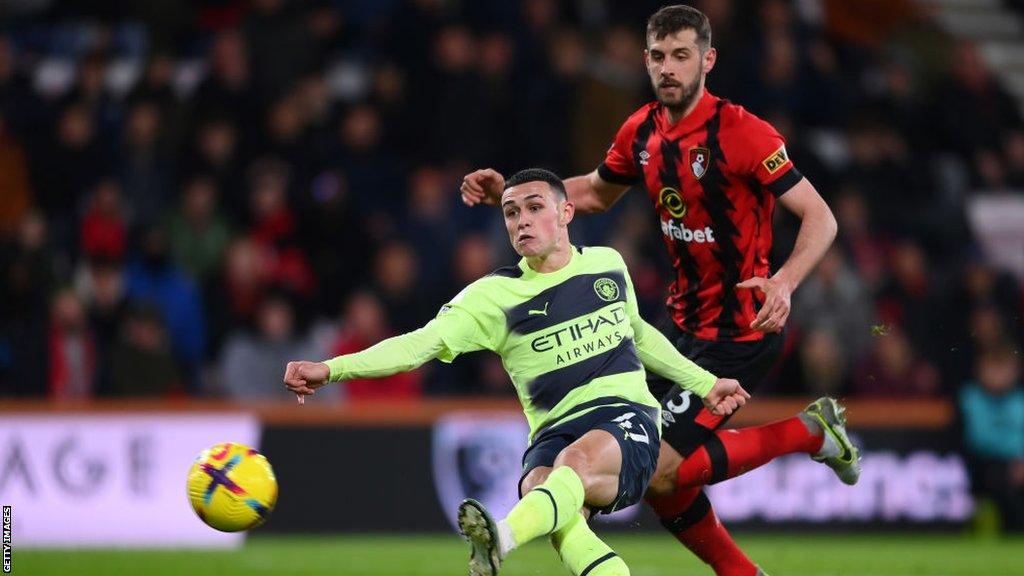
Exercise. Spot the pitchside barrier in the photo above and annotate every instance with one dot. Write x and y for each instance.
(113, 473)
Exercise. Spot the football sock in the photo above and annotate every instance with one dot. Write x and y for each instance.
(546, 508)
(829, 446)
(688, 515)
(729, 453)
(582, 552)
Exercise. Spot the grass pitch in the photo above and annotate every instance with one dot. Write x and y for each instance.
(646, 555)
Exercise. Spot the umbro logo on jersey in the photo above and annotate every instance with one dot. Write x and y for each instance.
(644, 157)
(543, 312)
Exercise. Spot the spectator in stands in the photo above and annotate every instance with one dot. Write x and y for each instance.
(833, 299)
(72, 358)
(865, 245)
(104, 231)
(19, 106)
(275, 227)
(26, 279)
(143, 164)
(374, 175)
(14, 176)
(71, 163)
(142, 363)
(336, 239)
(428, 218)
(363, 325)
(215, 153)
(972, 109)
(894, 368)
(831, 306)
(824, 362)
(1013, 152)
(409, 304)
(197, 232)
(992, 407)
(103, 291)
(233, 297)
(247, 363)
(911, 296)
(153, 280)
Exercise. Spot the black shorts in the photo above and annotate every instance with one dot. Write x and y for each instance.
(633, 425)
(685, 423)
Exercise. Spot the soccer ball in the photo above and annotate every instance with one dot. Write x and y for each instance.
(232, 487)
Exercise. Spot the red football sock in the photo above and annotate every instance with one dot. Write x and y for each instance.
(730, 453)
(688, 515)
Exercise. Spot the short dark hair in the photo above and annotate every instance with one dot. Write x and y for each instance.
(672, 19)
(538, 175)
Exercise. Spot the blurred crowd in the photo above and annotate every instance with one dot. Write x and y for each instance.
(196, 192)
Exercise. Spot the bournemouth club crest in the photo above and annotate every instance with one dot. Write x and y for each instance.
(478, 456)
(700, 157)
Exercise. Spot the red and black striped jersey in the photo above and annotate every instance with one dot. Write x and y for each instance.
(713, 177)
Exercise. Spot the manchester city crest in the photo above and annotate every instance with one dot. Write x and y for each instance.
(606, 289)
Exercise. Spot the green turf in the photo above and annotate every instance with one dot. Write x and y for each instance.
(647, 555)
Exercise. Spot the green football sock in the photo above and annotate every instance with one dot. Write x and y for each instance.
(582, 552)
(547, 507)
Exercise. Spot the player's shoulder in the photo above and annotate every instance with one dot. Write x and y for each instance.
(601, 256)
(505, 272)
(640, 116)
(493, 285)
(735, 118)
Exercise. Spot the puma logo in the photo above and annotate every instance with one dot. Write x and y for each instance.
(543, 312)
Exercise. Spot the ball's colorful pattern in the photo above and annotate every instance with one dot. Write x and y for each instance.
(232, 487)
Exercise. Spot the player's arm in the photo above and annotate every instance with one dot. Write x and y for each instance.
(594, 192)
(398, 354)
(589, 192)
(817, 231)
(657, 354)
(469, 322)
(722, 396)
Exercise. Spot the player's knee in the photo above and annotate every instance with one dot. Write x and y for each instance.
(663, 481)
(660, 486)
(582, 464)
(576, 459)
(534, 478)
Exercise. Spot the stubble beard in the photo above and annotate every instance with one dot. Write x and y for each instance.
(689, 94)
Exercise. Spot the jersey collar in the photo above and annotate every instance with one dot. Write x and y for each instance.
(697, 117)
(573, 257)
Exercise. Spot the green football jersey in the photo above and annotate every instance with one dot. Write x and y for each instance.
(565, 337)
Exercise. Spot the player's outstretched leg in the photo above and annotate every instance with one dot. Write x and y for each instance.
(819, 430)
(582, 552)
(543, 510)
(838, 452)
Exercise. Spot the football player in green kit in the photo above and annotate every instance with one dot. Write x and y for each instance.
(566, 324)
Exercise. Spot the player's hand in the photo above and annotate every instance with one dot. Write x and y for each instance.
(303, 378)
(775, 311)
(725, 397)
(482, 186)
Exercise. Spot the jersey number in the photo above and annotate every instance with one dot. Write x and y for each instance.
(625, 422)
